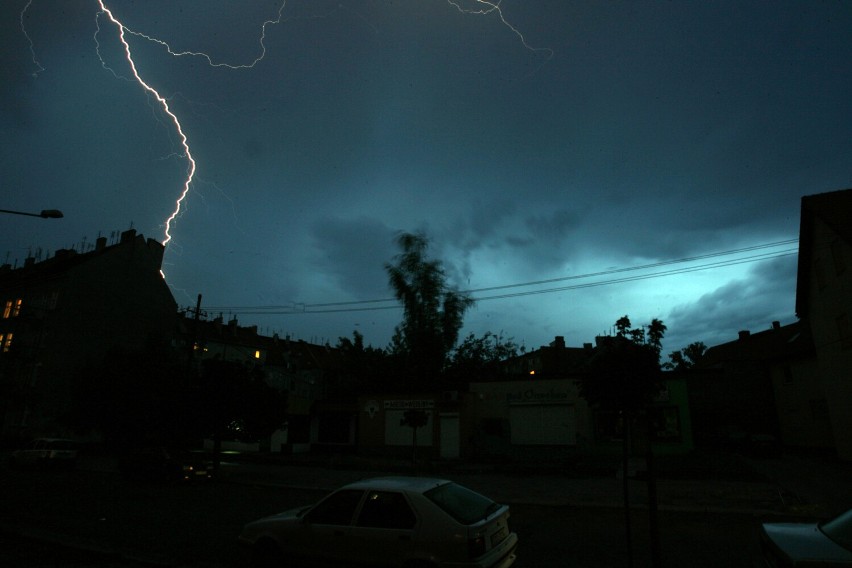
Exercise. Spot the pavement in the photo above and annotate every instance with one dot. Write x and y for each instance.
(791, 485)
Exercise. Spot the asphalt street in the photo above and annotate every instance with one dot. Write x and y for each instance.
(95, 517)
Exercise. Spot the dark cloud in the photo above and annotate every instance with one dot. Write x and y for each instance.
(643, 133)
(765, 294)
(354, 252)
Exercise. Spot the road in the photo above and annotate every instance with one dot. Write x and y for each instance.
(197, 525)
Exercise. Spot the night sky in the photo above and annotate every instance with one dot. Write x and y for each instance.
(561, 156)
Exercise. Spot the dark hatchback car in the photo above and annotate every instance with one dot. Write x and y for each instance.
(165, 464)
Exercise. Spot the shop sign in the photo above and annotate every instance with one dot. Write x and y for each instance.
(409, 404)
(538, 396)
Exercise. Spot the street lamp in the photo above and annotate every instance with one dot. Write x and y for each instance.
(45, 213)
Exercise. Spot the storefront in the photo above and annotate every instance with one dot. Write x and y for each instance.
(515, 418)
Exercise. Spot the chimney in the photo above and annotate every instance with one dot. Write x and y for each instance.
(559, 342)
(29, 261)
(100, 244)
(776, 325)
(744, 334)
(128, 236)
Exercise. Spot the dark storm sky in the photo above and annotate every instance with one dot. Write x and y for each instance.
(557, 145)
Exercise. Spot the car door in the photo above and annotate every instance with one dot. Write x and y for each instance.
(385, 531)
(326, 528)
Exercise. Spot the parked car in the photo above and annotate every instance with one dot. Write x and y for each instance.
(808, 544)
(393, 521)
(165, 464)
(58, 453)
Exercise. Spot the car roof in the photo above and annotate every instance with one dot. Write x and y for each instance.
(399, 483)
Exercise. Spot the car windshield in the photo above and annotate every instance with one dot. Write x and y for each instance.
(839, 529)
(461, 503)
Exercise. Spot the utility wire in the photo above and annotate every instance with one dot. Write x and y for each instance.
(365, 305)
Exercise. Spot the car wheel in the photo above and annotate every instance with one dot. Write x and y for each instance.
(267, 554)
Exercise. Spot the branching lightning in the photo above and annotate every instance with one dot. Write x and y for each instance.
(484, 7)
(39, 68)
(209, 59)
(164, 103)
(123, 31)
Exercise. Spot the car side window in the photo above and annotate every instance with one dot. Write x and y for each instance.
(338, 509)
(386, 510)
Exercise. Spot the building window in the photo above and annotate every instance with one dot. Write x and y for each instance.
(5, 342)
(12, 309)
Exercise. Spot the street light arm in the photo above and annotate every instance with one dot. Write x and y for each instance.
(45, 213)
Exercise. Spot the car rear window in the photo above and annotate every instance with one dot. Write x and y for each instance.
(462, 504)
(840, 529)
(60, 445)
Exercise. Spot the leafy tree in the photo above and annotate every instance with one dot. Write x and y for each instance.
(623, 376)
(687, 357)
(656, 331)
(236, 402)
(363, 368)
(480, 357)
(433, 313)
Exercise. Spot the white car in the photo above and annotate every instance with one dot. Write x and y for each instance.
(47, 452)
(808, 544)
(410, 522)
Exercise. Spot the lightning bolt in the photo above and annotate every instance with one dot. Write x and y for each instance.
(164, 103)
(39, 68)
(484, 8)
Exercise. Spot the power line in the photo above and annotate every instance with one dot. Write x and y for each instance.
(364, 305)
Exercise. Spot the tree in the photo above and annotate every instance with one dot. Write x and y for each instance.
(656, 331)
(363, 368)
(414, 418)
(687, 357)
(433, 313)
(480, 357)
(623, 376)
(134, 397)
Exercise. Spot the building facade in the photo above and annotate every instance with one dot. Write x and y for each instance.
(65, 313)
(824, 304)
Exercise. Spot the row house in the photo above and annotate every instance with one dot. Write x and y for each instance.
(824, 304)
(301, 369)
(66, 312)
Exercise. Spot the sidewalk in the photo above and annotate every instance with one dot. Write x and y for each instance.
(773, 486)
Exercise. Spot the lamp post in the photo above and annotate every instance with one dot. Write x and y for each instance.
(45, 213)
